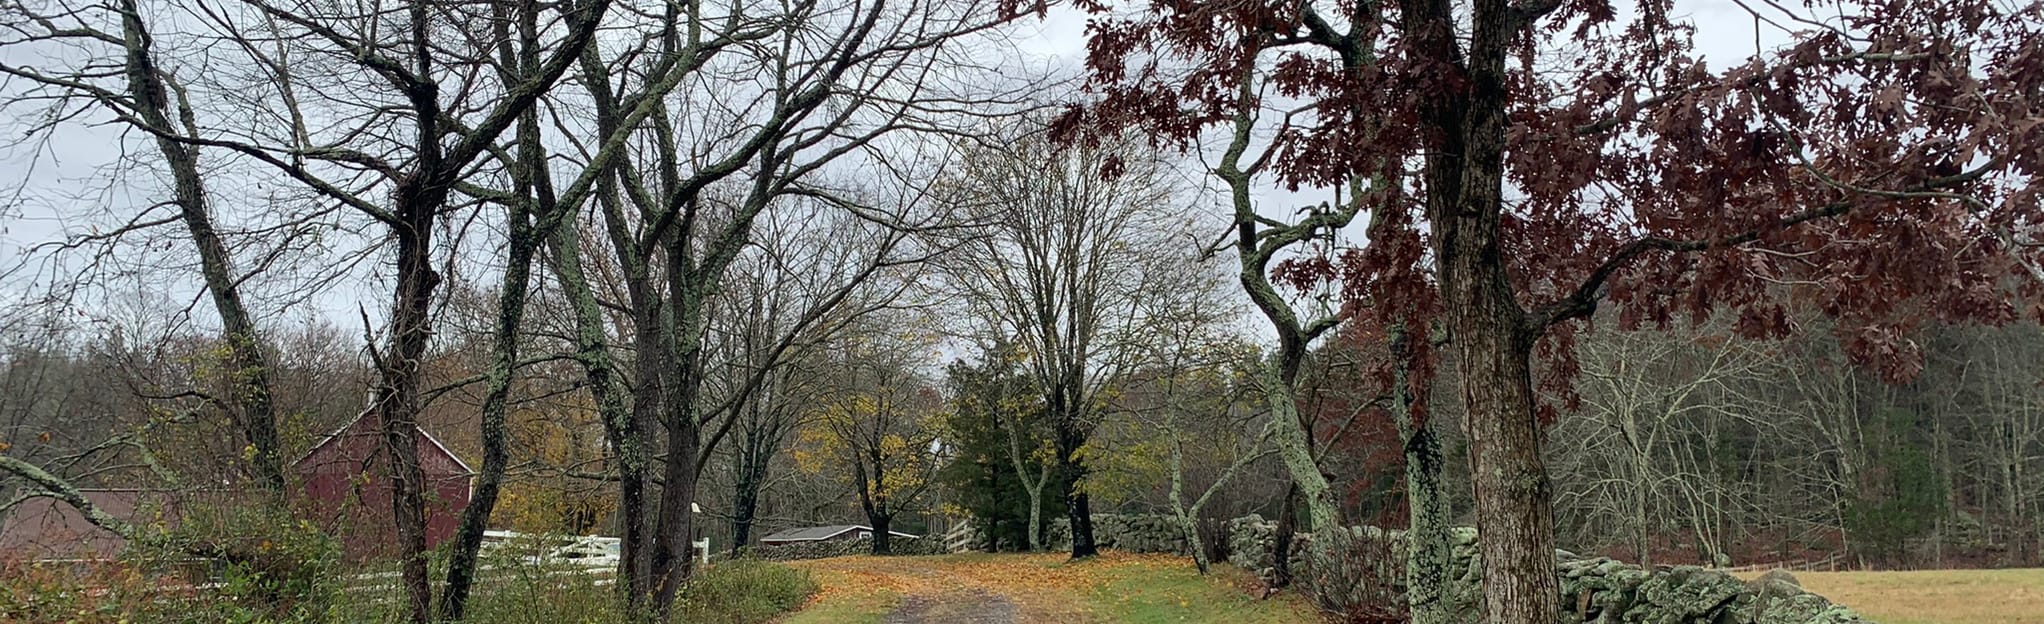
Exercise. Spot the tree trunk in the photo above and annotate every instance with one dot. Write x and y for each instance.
(1512, 489)
(475, 518)
(397, 398)
(522, 247)
(1033, 488)
(1464, 186)
(1190, 524)
(1294, 439)
(1429, 553)
(1078, 506)
(1281, 542)
(744, 506)
(672, 547)
(635, 448)
(1187, 519)
(883, 541)
(254, 408)
(600, 370)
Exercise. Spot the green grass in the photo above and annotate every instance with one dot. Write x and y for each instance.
(1157, 595)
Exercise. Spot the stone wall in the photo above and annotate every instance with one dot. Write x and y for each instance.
(1142, 533)
(1595, 590)
(839, 548)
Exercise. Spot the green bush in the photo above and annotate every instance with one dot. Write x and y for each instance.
(744, 592)
(253, 562)
(151, 586)
(738, 592)
(543, 594)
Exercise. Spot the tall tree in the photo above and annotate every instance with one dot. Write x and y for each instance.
(1064, 260)
(994, 408)
(883, 418)
(727, 115)
(142, 96)
(1641, 176)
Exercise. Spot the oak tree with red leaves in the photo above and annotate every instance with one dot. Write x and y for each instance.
(1523, 163)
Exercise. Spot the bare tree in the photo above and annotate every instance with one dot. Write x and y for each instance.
(722, 115)
(1063, 263)
(1186, 384)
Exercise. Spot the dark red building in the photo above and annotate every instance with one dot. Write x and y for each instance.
(347, 488)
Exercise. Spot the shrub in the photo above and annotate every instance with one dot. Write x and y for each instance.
(88, 593)
(218, 564)
(258, 561)
(526, 593)
(744, 592)
(1354, 578)
(518, 591)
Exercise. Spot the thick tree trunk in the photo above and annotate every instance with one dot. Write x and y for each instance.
(1078, 506)
(673, 545)
(1493, 349)
(745, 503)
(883, 542)
(398, 403)
(673, 554)
(636, 448)
(1512, 489)
(1464, 186)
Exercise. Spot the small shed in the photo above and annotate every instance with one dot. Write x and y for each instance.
(347, 488)
(824, 534)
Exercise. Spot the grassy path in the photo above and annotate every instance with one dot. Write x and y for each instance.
(1035, 589)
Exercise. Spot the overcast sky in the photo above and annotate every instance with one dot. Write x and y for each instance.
(69, 185)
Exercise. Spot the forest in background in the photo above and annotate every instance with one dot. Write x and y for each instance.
(1565, 271)
(1688, 446)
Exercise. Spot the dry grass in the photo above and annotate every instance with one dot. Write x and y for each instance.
(1936, 596)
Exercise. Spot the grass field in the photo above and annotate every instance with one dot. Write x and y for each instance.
(1936, 596)
(1114, 587)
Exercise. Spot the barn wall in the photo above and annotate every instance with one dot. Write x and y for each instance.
(348, 492)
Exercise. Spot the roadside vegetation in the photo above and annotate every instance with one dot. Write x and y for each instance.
(511, 592)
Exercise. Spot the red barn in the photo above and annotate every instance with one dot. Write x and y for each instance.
(348, 490)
